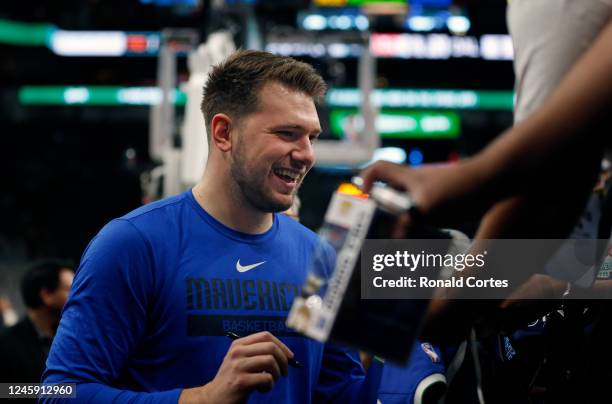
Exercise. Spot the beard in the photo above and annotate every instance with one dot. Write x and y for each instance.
(251, 185)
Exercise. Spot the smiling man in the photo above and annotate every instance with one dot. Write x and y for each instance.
(158, 290)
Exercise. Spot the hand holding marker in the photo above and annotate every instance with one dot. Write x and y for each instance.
(292, 361)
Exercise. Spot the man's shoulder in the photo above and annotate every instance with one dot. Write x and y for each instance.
(147, 223)
(153, 209)
(295, 229)
(160, 216)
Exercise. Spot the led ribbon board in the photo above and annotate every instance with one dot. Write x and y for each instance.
(398, 124)
(21, 34)
(336, 97)
(95, 95)
(415, 46)
(424, 98)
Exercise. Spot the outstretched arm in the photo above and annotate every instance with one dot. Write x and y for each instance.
(529, 158)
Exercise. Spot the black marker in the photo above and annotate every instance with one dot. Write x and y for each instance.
(292, 361)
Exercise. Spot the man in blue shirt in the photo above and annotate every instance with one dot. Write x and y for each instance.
(158, 289)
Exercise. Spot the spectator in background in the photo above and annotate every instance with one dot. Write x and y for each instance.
(24, 347)
(8, 317)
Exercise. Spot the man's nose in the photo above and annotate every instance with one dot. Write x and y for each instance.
(303, 152)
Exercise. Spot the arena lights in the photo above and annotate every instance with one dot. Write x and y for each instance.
(95, 95)
(88, 43)
(314, 22)
(398, 124)
(437, 21)
(80, 43)
(417, 98)
(415, 157)
(351, 19)
(104, 43)
(405, 46)
(392, 154)
(441, 46)
(338, 50)
(337, 21)
(496, 47)
(422, 23)
(458, 24)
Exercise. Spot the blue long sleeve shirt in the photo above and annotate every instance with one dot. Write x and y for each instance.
(157, 290)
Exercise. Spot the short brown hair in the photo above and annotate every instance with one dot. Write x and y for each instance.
(233, 85)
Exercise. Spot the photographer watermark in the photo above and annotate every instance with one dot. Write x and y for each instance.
(487, 269)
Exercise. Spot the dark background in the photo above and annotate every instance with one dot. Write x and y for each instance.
(67, 170)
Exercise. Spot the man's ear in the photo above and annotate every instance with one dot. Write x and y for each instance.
(221, 126)
(46, 296)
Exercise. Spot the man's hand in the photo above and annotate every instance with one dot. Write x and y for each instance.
(252, 363)
(532, 300)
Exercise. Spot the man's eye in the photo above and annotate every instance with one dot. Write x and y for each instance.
(286, 133)
(313, 139)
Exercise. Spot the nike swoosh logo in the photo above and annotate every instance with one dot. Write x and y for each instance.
(245, 268)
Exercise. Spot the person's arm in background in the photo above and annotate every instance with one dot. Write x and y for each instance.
(526, 217)
(532, 181)
(105, 317)
(517, 162)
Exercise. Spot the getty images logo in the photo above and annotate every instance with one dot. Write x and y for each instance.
(245, 268)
